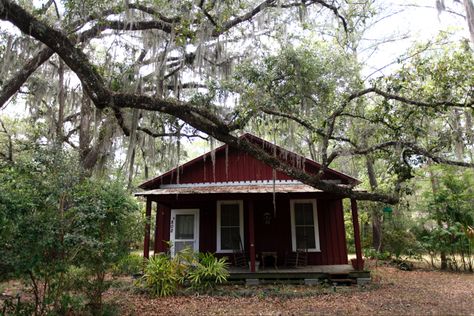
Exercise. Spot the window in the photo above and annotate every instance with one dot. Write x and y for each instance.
(230, 219)
(304, 225)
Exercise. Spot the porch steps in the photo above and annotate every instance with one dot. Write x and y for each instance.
(341, 279)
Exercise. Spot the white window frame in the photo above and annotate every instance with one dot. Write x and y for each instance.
(315, 220)
(241, 222)
(181, 211)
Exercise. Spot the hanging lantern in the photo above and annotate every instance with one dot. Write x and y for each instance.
(267, 218)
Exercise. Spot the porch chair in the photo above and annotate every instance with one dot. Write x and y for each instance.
(240, 257)
(298, 258)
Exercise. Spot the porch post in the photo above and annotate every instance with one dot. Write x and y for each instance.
(157, 230)
(251, 237)
(146, 243)
(355, 223)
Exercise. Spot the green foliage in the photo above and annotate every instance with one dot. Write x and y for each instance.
(161, 275)
(33, 193)
(130, 265)
(372, 253)
(309, 81)
(285, 81)
(102, 229)
(208, 272)
(104, 218)
(164, 275)
(52, 218)
(455, 213)
(449, 217)
(398, 240)
(14, 306)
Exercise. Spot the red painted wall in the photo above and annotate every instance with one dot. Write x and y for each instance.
(239, 167)
(228, 164)
(275, 236)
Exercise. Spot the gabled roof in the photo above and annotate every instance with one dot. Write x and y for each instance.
(297, 160)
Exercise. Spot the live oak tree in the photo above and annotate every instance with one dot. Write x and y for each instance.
(151, 67)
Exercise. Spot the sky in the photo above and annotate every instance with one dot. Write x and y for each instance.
(419, 23)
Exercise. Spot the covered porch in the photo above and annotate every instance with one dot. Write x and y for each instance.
(264, 228)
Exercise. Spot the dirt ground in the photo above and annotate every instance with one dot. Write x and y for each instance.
(392, 292)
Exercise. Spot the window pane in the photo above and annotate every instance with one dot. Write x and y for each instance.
(305, 237)
(304, 214)
(181, 245)
(230, 215)
(184, 226)
(230, 238)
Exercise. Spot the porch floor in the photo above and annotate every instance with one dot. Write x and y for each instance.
(339, 268)
(330, 272)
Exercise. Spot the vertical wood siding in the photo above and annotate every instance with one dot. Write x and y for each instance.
(275, 236)
(239, 167)
(228, 164)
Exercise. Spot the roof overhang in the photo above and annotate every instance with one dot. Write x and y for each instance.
(233, 188)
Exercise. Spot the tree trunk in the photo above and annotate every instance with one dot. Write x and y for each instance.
(459, 143)
(469, 132)
(84, 128)
(312, 149)
(375, 214)
(61, 103)
(434, 188)
(92, 150)
(469, 6)
(130, 169)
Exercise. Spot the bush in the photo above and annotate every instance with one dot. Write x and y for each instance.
(129, 265)
(372, 253)
(399, 241)
(161, 275)
(164, 275)
(14, 306)
(208, 272)
(54, 219)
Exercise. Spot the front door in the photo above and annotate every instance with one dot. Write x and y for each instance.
(184, 230)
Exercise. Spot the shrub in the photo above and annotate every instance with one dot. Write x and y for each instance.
(57, 220)
(129, 265)
(371, 253)
(164, 275)
(161, 275)
(399, 241)
(208, 272)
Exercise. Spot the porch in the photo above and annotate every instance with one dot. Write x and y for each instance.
(265, 224)
(341, 273)
(259, 231)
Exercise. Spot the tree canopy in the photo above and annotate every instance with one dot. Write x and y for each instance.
(174, 69)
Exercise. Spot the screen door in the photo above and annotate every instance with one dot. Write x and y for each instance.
(184, 230)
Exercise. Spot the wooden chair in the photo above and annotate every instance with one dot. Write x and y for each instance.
(298, 258)
(240, 257)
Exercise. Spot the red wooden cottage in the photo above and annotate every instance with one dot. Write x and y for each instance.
(227, 202)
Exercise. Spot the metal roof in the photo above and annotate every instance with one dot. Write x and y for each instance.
(279, 188)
